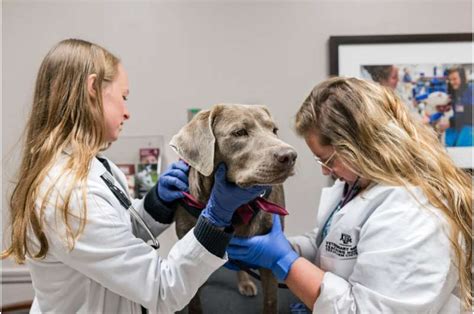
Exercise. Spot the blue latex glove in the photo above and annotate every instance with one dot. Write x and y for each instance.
(226, 197)
(173, 182)
(232, 265)
(435, 117)
(271, 251)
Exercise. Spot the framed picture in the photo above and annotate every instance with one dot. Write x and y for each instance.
(129, 171)
(145, 178)
(431, 73)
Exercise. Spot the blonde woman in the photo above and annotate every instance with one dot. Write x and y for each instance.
(71, 217)
(393, 233)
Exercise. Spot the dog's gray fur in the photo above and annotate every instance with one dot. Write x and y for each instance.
(244, 138)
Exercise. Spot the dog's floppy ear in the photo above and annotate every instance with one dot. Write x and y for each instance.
(195, 142)
(265, 108)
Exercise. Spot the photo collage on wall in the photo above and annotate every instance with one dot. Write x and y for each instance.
(440, 95)
(143, 176)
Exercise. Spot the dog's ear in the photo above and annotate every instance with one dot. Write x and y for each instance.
(195, 142)
(264, 108)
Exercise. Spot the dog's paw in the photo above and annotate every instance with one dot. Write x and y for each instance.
(247, 288)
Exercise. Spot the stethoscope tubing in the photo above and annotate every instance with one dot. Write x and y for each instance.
(127, 204)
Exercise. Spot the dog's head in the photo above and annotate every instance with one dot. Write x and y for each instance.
(243, 137)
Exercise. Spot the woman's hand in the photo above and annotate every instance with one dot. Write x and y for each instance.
(173, 182)
(226, 197)
(271, 251)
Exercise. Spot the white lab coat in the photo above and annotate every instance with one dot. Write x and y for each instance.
(384, 253)
(110, 270)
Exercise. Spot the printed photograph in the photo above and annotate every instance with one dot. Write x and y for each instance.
(440, 95)
(129, 171)
(145, 178)
(149, 155)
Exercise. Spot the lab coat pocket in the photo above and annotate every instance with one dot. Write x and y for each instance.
(339, 251)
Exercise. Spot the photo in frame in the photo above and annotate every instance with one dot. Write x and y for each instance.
(129, 172)
(431, 73)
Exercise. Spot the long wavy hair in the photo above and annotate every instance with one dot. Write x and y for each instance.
(64, 116)
(373, 132)
(462, 76)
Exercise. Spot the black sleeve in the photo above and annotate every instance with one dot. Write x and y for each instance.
(160, 210)
(211, 237)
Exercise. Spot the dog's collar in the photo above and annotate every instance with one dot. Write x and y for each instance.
(243, 214)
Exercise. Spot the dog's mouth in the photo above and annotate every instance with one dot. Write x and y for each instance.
(265, 177)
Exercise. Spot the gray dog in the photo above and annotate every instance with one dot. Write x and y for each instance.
(244, 137)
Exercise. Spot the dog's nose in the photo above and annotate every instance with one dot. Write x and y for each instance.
(286, 156)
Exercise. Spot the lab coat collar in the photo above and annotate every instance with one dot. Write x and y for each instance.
(358, 209)
(96, 168)
(330, 196)
(353, 208)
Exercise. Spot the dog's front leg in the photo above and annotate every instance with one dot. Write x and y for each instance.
(246, 286)
(270, 291)
(194, 306)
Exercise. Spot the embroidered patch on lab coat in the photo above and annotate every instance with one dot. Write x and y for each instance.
(343, 244)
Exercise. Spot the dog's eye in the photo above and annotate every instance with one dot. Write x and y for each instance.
(275, 130)
(241, 132)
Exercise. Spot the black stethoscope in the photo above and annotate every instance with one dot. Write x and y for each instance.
(127, 204)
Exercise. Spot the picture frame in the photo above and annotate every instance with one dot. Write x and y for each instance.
(139, 157)
(351, 55)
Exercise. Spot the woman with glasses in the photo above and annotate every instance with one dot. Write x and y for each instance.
(393, 234)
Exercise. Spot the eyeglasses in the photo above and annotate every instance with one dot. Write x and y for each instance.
(327, 163)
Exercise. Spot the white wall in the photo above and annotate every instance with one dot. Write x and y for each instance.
(186, 54)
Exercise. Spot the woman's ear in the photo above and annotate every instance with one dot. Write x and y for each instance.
(90, 85)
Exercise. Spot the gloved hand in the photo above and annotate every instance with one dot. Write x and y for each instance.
(435, 117)
(173, 182)
(238, 265)
(271, 251)
(226, 197)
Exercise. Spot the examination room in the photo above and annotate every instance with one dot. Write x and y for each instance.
(237, 156)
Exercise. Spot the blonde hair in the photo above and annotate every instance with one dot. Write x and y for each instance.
(372, 130)
(64, 115)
